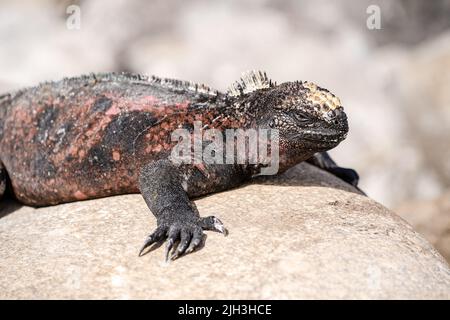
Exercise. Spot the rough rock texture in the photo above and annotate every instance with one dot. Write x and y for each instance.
(430, 218)
(302, 235)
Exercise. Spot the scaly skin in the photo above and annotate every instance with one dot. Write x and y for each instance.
(109, 134)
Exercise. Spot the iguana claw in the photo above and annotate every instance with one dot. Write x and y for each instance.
(188, 235)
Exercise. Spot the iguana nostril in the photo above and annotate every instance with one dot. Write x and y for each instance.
(339, 111)
(331, 114)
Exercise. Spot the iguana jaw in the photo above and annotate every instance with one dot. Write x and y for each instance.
(324, 135)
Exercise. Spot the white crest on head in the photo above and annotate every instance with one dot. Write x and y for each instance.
(250, 81)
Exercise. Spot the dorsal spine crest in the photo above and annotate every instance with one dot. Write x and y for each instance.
(250, 81)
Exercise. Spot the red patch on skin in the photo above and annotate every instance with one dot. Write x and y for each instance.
(77, 128)
(113, 110)
(80, 195)
(184, 105)
(73, 151)
(147, 103)
(116, 155)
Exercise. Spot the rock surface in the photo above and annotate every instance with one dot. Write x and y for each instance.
(430, 218)
(305, 234)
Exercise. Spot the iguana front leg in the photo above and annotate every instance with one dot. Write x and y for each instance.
(323, 161)
(161, 184)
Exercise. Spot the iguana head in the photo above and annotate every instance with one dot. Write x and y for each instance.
(309, 118)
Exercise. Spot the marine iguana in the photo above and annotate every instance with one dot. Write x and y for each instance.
(107, 134)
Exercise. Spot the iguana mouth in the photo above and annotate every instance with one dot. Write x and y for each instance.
(329, 136)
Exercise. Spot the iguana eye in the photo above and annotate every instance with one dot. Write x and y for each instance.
(299, 116)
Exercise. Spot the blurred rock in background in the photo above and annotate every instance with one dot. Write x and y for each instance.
(430, 218)
(394, 82)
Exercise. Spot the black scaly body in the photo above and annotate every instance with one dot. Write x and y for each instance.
(107, 134)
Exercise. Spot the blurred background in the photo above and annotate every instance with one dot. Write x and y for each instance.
(388, 61)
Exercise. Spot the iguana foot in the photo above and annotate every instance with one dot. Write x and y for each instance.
(348, 175)
(323, 161)
(188, 235)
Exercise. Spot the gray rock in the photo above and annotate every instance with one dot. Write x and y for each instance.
(303, 235)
